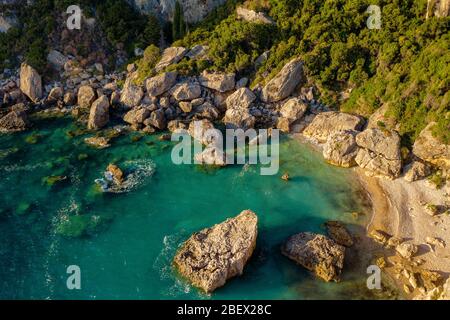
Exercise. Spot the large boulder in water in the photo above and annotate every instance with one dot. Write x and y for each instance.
(30, 82)
(429, 148)
(99, 114)
(316, 253)
(213, 255)
(15, 120)
(327, 123)
(284, 83)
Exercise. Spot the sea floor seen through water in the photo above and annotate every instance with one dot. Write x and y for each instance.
(124, 242)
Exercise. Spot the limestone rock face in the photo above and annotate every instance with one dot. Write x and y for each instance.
(213, 255)
(99, 114)
(170, 56)
(430, 149)
(379, 152)
(156, 86)
(417, 171)
(136, 115)
(253, 16)
(327, 123)
(186, 91)
(316, 253)
(221, 82)
(131, 94)
(384, 142)
(194, 10)
(241, 98)
(30, 82)
(15, 120)
(341, 149)
(86, 96)
(284, 82)
(293, 109)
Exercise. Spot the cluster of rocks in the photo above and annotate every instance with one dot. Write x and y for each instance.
(407, 268)
(213, 255)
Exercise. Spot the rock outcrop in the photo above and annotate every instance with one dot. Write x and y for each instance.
(15, 120)
(193, 10)
(221, 82)
(379, 152)
(316, 253)
(137, 115)
(170, 56)
(186, 91)
(30, 82)
(291, 111)
(253, 16)
(99, 113)
(213, 255)
(341, 149)
(284, 83)
(417, 171)
(430, 149)
(327, 123)
(156, 86)
(131, 94)
(238, 114)
(86, 96)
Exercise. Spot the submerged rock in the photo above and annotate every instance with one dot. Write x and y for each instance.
(213, 255)
(316, 253)
(98, 142)
(339, 233)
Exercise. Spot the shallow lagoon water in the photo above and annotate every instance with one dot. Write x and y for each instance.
(130, 257)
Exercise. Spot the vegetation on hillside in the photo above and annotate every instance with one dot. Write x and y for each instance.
(120, 22)
(405, 64)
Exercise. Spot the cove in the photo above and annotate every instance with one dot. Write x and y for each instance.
(129, 256)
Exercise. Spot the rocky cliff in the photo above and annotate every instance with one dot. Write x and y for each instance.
(194, 10)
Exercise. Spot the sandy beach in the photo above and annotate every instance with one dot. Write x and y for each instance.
(399, 210)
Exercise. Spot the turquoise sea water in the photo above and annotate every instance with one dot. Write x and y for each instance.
(130, 256)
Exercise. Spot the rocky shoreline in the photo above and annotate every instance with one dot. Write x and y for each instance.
(169, 101)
